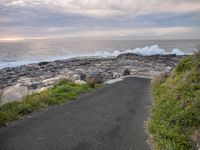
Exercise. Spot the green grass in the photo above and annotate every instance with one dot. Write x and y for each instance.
(60, 93)
(175, 113)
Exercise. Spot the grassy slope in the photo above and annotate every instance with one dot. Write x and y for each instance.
(62, 92)
(176, 106)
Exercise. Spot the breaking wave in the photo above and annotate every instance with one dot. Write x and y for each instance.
(145, 51)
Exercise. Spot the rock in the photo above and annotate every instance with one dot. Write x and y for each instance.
(43, 63)
(127, 55)
(80, 82)
(196, 138)
(93, 70)
(116, 75)
(76, 77)
(82, 76)
(108, 75)
(53, 81)
(126, 72)
(168, 55)
(14, 93)
(169, 68)
(29, 117)
(95, 76)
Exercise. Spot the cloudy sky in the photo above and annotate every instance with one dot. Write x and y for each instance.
(35, 19)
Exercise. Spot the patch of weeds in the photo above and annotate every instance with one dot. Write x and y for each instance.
(64, 91)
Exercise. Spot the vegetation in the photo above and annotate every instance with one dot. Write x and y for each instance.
(92, 82)
(60, 93)
(1, 95)
(175, 114)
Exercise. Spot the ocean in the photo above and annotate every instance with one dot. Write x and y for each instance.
(32, 51)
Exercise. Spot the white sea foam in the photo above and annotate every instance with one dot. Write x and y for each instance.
(145, 51)
(4, 64)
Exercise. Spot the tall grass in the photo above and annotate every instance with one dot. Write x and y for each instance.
(175, 114)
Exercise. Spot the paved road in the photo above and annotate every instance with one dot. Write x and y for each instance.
(110, 118)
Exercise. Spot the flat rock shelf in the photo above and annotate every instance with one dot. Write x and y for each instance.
(45, 74)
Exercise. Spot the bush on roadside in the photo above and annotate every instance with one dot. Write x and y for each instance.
(175, 113)
(92, 82)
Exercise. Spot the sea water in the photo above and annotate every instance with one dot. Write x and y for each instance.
(32, 51)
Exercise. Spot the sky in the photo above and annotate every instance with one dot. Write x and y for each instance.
(133, 19)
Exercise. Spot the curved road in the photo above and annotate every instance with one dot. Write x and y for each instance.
(110, 118)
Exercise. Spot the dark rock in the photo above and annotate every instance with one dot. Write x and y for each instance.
(34, 86)
(124, 56)
(43, 63)
(126, 72)
(168, 55)
(84, 63)
(82, 76)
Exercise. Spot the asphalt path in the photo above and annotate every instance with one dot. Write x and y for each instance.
(110, 118)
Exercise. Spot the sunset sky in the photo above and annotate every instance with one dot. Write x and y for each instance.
(142, 19)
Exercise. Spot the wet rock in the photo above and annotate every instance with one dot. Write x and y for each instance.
(43, 63)
(127, 55)
(168, 55)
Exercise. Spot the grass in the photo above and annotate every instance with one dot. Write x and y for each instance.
(175, 113)
(60, 93)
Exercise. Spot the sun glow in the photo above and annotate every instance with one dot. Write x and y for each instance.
(12, 39)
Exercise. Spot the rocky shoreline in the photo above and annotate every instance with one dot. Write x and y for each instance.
(46, 74)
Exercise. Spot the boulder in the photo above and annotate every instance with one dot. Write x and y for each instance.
(97, 77)
(14, 93)
(82, 76)
(76, 77)
(80, 82)
(126, 72)
(116, 75)
(43, 63)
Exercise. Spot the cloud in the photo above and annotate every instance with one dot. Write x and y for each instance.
(109, 7)
(47, 18)
(135, 32)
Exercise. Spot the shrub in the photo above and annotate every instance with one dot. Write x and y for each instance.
(175, 113)
(91, 82)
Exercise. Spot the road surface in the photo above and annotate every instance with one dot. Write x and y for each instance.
(110, 118)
